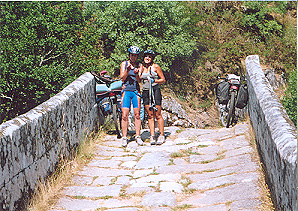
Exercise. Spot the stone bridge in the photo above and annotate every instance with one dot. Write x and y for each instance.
(195, 169)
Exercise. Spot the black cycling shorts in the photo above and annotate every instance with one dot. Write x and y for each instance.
(157, 96)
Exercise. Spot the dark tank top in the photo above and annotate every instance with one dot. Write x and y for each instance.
(131, 83)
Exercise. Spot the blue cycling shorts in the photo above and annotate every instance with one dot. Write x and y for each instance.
(129, 97)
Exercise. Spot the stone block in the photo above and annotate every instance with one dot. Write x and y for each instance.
(276, 136)
(33, 142)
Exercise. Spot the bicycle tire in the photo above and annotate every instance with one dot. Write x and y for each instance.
(101, 118)
(231, 114)
(223, 115)
(117, 116)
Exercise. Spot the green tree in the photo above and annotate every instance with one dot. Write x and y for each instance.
(114, 26)
(38, 52)
(258, 20)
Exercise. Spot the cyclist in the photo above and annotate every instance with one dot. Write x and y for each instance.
(157, 77)
(129, 74)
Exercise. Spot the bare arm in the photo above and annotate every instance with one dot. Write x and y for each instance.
(123, 71)
(159, 72)
(139, 73)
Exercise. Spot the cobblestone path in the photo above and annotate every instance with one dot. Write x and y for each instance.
(196, 169)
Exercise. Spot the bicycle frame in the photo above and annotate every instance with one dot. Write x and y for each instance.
(113, 96)
(227, 112)
(234, 81)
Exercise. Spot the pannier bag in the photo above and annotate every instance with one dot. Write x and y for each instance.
(222, 92)
(242, 98)
(105, 104)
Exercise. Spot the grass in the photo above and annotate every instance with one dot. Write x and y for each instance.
(49, 190)
(177, 155)
(266, 198)
(182, 207)
(171, 162)
(220, 156)
(186, 181)
(179, 131)
(189, 190)
(204, 171)
(183, 153)
(183, 143)
(202, 146)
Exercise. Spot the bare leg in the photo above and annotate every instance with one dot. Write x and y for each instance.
(150, 120)
(136, 112)
(160, 120)
(124, 122)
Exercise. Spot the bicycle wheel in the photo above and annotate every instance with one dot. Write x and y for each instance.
(117, 116)
(104, 112)
(224, 110)
(101, 117)
(231, 114)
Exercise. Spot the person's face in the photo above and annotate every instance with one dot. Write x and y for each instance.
(133, 57)
(148, 58)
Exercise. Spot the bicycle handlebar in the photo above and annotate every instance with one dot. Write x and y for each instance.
(101, 79)
(242, 78)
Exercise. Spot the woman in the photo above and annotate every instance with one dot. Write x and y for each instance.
(157, 77)
(129, 74)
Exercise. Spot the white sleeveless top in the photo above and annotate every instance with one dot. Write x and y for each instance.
(145, 81)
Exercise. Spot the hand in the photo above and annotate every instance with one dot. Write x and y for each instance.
(151, 80)
(129, 67)
(136, 70)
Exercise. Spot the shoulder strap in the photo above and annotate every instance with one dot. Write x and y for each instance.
(149, 71)
(126, 64)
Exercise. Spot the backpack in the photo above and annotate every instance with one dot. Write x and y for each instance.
(222, 92)
(242, 98)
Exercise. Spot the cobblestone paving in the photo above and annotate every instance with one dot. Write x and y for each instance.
(196, 169)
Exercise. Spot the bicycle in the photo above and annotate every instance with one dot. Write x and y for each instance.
(108, 100)
(228, 97)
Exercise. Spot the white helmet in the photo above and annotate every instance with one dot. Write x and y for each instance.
(134, 50)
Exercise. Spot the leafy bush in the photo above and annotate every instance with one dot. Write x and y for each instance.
(154, 25)
(38, 52)
(258, 21)
(46, 45)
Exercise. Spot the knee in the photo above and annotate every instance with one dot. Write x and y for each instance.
(137, 116)
(124, 117)
(159, 117)
(150, 116)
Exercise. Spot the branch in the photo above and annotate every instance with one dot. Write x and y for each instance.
(232, 31)
(3, 96)
(52, 57)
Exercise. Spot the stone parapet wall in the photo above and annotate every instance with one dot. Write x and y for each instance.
(33, 143)
(276, 136)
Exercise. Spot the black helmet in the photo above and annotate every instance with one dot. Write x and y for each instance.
(134, 50)
(149, 52)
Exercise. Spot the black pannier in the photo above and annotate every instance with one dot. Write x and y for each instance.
(222, 92)
(242, 98)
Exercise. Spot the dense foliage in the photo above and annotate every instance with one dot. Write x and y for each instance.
(149, 25)
(38, 45)
(227, 32)
(45, 45)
